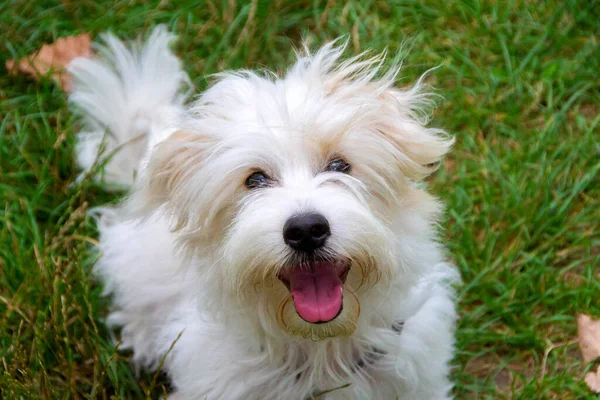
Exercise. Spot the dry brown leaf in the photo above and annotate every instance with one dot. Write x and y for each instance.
(55, 58)
(589, 337)
(589, 344)
(593, 380)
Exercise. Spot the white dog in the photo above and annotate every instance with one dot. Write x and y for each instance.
(276, 243)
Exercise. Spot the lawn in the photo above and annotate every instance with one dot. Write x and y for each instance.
(520, 82)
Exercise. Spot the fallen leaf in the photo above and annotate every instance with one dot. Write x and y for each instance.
(589, 337)
(593, 380)
(54, 58)
(589, 344)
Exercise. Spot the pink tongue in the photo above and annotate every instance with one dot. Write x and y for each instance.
(317, 291)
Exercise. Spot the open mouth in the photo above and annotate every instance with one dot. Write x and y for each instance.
(317, 289)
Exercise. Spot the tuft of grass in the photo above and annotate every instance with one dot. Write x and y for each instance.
(522, 95)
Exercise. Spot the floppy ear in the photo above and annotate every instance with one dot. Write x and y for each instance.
(172, 163)
(404, 125)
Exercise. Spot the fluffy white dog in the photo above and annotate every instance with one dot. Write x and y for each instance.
(276, 243)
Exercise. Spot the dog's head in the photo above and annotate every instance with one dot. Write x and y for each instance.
(292, 188)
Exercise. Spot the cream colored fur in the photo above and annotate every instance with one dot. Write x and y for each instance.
(192, 255)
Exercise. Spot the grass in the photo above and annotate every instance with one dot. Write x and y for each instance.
(522, 94)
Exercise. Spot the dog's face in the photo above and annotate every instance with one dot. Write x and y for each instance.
(291, 189)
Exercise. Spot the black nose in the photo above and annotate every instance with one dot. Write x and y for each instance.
(306, 232)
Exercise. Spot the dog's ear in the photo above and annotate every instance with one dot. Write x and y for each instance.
(404, 124)
(171, 164)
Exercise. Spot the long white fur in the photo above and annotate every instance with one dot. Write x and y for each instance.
(128, 100)
(191, 257)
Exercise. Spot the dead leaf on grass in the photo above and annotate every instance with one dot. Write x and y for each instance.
(589, 344)
(592, 379)
(54, 58)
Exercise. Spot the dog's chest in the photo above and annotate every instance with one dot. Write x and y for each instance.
(332, 365)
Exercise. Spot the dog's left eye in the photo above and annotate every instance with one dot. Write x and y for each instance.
(339, 165)
(257, 180)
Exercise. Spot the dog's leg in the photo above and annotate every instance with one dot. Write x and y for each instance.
(426, 347)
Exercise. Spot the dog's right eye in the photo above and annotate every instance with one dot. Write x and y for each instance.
(257, 180)
(339, 165)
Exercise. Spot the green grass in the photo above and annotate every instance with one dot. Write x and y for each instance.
(521, 82)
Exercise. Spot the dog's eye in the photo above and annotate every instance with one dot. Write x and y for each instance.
(339, 165)
(257, 180)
